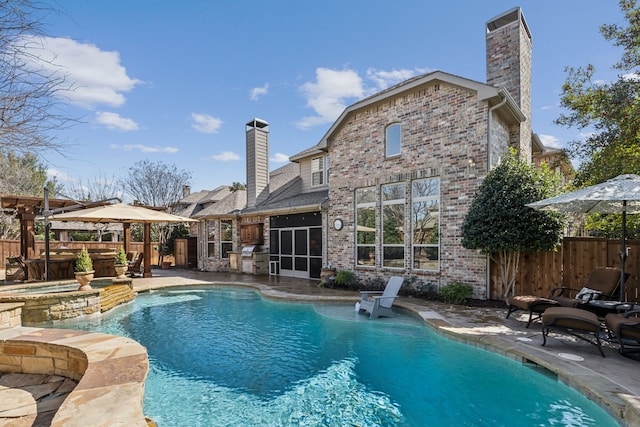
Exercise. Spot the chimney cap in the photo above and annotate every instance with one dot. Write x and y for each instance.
(258, 123)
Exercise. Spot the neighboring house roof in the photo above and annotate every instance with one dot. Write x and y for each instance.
(285, 193)
(85, 226)
(193, 203)
(511, 111)
(232, 204)
(289, 197)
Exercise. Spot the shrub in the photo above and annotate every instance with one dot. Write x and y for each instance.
(345, 279)
(427, 290)
(83, 261)
(421, 289)
(375, 284)
(456, 293)
(121, 257)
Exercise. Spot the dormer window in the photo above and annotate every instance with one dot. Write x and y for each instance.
(317, 171)
(393, 140)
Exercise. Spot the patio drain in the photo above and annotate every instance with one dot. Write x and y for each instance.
(572, 357)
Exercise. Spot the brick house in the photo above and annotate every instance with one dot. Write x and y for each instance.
(387, 188)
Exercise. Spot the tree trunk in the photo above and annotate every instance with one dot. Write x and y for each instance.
(508, 261)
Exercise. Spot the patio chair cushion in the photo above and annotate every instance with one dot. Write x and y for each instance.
(529, 303)
(631, 325)
(571, 318)
(574, 321)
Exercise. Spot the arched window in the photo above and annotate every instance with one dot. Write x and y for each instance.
(393, 140)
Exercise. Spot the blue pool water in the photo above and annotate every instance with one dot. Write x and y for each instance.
(225, 356)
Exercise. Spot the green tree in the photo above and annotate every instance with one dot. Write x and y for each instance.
(22, 175)
(235, 186)
(498, 222)
(610, 114)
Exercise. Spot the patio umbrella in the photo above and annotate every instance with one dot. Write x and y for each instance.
(120, 212)
(617, 195)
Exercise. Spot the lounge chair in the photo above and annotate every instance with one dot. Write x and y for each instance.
(577, 322)
(380, 305)
(624, 328)
(134, 266)
(531, 304)
(602, 284)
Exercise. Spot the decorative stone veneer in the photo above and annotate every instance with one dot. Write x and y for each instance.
(48, 306)
(444, 135)
(10, 314)
(55, 306)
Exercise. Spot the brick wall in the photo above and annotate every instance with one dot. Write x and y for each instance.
(444, 134)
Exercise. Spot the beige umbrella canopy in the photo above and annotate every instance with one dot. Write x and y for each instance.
(120, 212)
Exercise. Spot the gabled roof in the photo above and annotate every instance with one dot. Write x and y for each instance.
(290, 198)
(193, 203)
(232, 204)
(285, 193)
(493, 95)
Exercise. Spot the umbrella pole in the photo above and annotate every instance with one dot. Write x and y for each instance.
(623, 251)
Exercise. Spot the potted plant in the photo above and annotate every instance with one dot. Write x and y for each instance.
(84, 270)
(121, 264)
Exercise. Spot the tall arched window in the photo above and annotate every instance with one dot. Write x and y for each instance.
(393, 140)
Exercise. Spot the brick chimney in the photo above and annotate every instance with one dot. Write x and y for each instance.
(509, 66)
(257, 161)
(186, 190)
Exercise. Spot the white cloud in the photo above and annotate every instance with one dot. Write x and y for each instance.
(257, 92)
(115, 121)
(226, 156)
(96, 76)
(384, 79)
(205, 123)
(144, 148)
(59, 175)
(328, 94)
(279, 158)
(550, 141)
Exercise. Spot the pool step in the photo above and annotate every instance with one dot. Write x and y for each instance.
(115, 295)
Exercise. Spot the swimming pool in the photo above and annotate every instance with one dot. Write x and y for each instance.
(225, 356)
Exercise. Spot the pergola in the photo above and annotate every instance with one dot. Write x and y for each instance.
(27, 208)
(125, 214)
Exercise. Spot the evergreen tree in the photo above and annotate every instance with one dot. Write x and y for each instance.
(499, 223)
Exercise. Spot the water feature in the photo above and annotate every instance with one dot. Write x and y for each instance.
(225, 356)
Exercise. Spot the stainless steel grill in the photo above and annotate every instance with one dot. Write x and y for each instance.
(248, 251)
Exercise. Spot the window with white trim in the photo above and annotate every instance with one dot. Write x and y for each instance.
(211, 238)
(317, 171)
(393, 199)
(425, 222)
(226, 237)
(366, 226)
(393, 140)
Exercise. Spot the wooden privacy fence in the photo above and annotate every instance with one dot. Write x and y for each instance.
(570, 266)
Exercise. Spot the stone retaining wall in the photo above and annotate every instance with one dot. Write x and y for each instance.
(55, 306)
(10, 314)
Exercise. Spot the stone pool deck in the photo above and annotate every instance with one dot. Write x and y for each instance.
(611, 382)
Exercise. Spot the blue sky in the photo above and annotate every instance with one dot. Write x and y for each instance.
(177, 81)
